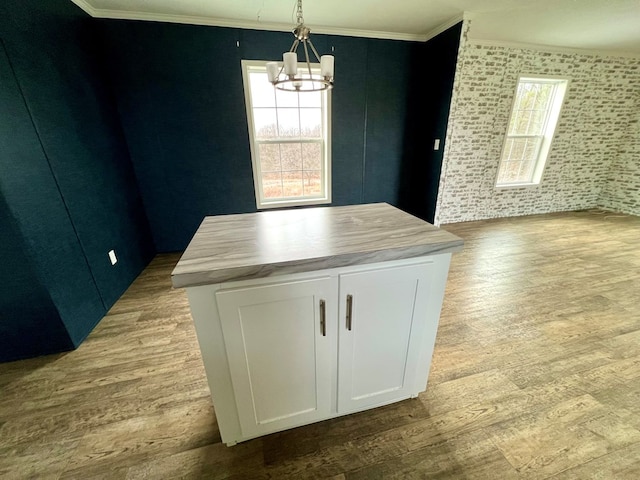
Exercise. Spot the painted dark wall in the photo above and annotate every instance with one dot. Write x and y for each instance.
(433, 91)
(33, 198)
(29, 321)
(182, 112)
(65, 172)
(390, 108)
(181, 101)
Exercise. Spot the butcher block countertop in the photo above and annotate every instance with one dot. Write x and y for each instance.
(256, 245)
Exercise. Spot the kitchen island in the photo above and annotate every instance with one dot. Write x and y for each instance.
(307, 314)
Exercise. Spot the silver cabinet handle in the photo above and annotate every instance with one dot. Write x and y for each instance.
(349, 310)
(323, 319)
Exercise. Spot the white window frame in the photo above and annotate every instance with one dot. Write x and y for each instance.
(551, 122)
(325, 194)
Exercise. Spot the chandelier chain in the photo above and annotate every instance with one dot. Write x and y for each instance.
(299, 17)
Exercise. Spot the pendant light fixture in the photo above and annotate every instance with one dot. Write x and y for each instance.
(287, 77)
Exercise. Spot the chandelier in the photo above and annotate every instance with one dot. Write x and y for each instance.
(307, 80)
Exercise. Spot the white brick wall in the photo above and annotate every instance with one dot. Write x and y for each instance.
(621, 191)
(596, 147)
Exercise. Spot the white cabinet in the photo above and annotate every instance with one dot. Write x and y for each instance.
(384, 315)
(294, 349)
(281, 351)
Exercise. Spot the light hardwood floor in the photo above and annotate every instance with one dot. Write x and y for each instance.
(536, 374)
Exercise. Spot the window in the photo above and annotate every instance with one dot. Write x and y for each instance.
(290, 139)
(535, 112)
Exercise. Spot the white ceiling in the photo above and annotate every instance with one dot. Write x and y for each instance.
(599, 25)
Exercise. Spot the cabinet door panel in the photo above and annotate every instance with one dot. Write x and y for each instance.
(377, 357)
(280, 362)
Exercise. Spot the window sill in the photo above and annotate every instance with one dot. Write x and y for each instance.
(298, 202)
(517, 185)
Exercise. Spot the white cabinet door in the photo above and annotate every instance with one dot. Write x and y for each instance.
(382, 316)
(281, 352)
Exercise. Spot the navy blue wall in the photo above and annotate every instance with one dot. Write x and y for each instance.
(65, 172)
(26, 309)
(180, 96)
(390, 109)
(433, 95)
(182, 111)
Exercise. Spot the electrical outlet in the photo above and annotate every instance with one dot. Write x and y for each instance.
(112, 257)
(436, 144)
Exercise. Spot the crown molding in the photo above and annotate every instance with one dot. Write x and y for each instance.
(551, 48)
(246, 24)
(86, 7)
(349, 32)
(445, 26)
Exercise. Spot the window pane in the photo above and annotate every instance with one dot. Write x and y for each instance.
(527, 93)
(526, 171)
(519, 159)
(291, 156)
(311, 99)
(516, 148)
(530, 108)
(272, 185)
(515, 120)
(288, 122)
(536, 125)
(311, 122)
(543, 95)
(311, 156)
(269, 155)
(265, 123)
(262, 92)
(286, 99)
(508, 172)
(511, 172)
(292, 184)
(531, 148)
(312, 182)
(520, 122)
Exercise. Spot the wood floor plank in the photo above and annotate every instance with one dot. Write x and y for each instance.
(43, 458)
(619, 464)
(535, 374)
(124, 443)
(211, 462)
(471, 456)
(568, 434)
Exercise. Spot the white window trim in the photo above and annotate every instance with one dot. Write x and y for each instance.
(261, 203)
(549, 133)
